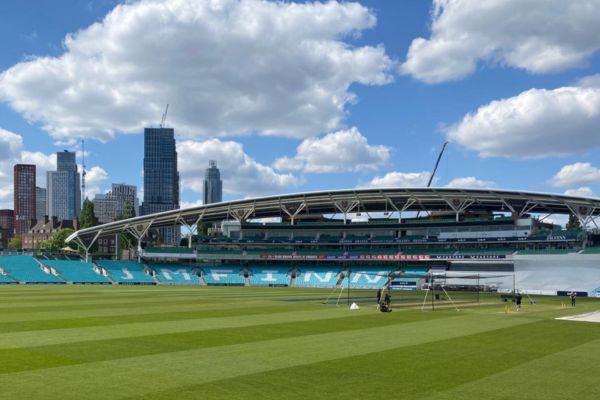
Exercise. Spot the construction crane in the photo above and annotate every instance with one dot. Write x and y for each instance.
(83, 168)
(164, 117)
(436, 164)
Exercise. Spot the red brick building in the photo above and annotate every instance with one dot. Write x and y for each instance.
(24, 197)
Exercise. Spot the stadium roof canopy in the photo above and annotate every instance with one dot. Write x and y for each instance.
(393, 201)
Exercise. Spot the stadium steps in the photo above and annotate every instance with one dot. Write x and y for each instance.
(76, 271)
(5, 278)
(26, 269)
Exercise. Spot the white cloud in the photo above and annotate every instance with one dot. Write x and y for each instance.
(190, 204)
(43, 162)
(534, 124)
(576, 174)
(470, 182)
(583, 191)
(241, 174)
(536, 36)
(590, 81)
(96, 175)
(556, 219)
(346, 150)
(225, 67)
(400, 179)
(10, 149)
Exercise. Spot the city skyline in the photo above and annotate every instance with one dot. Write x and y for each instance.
(367, 101)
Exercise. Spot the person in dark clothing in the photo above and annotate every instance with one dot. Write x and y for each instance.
(387, 299)
(379, 296)
(573, 298)
(518, 300)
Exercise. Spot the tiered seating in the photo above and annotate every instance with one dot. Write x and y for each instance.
(26, 269)
(499, 252)
(412, 237)
(265, 276)
(223, 276)
(303, 238)
(279, 238)
(368, 278)
(175, 274)
(126, 271)
(377, 238)
(169, 250)
(5, 279)
(76, 271)
(269, 251)
(323, 238)
(317, 277)
(546, 251)
(592, 250)
(350, 236)
(436, 251)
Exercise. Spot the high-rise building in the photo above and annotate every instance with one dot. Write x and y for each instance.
(161, 178)
(40, 203)
(24, 197)
(63, 195)
(213, 185)
(7, 221)
(109, 207)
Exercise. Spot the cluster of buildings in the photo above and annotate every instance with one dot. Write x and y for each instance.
(40, 212)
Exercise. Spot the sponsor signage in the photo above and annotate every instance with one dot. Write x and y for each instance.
(378, 257)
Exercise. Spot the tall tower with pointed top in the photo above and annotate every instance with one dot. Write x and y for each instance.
(213, 185)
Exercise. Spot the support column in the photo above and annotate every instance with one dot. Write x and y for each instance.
(459, 205)
(139, 231)
(345, 207)
(192, 228)
(291, 212)
(530, 205)
(584, 214)
(86, 247)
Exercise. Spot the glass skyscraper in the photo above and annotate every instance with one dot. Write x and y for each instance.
(213, 186)
(161, 178)
(63, 194)
(40, 203)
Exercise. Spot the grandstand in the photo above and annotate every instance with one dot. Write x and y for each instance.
(75, 271)
(175, 274)
(319, 239)
(126, 272)
(26, 269)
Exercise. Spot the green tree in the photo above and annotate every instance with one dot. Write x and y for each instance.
(57, 241)
(87, 218)
(202, 229)
(128, 210)
(573, 222)
(16, 243)
(126, 239)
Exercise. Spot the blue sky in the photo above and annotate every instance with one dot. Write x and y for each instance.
(289, 97)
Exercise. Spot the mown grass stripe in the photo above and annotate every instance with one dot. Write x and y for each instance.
(14, 340)
(139, 375)
(22, 359)
(566, 374)
(411, 372)
(174, 314)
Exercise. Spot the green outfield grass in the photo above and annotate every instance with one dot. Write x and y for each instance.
(136, 342)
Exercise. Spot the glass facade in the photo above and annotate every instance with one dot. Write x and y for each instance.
(40, 203)
(161, 178)
(63, 195)
(213, 186)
